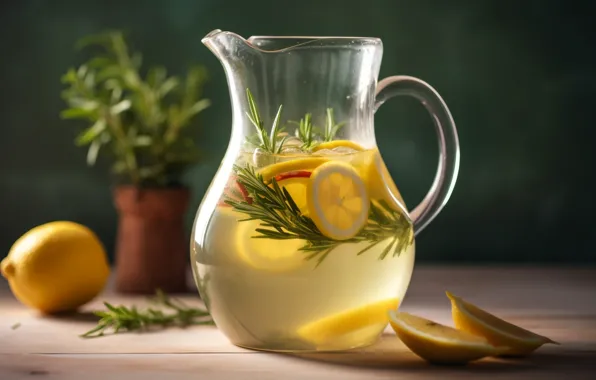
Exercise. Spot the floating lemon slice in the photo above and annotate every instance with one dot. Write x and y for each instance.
(338, 143)
(438, 343)
(264, 254)
(305, 163)
(358, 325)
(296, 184)
(337, 200)
(378, 180)
(498, 332)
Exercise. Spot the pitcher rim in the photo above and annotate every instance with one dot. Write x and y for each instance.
(303, 40)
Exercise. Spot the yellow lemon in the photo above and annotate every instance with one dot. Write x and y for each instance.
(56, 267)
(438, 343)
(373, 170)
(337, 200)
(498, 332)
(296, 164)
(266, 254)
(337, 144)
(357, 325)
(378, 180)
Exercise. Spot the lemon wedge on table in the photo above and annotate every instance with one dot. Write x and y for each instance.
(352, 327)
(438, 343)
(337, 200)
(470, 318)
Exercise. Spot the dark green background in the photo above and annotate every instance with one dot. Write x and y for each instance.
(519, 77)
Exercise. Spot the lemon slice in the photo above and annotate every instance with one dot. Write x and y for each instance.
(359, 325)
(267, 254)
(379, 183)
(338, 143)
(438, 343)
(337, 200)
(498, 332)
(303, 163)
(297, 186)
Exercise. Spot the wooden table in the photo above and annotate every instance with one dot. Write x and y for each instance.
(557, 302)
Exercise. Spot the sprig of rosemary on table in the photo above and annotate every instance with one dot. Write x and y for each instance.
(122, 318)
(281, 219)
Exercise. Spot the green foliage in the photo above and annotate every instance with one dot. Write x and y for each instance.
(142, 121)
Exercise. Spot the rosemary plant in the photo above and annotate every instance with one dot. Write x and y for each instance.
(142, 121)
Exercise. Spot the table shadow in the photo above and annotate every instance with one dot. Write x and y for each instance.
(390, 354)
(72, 316)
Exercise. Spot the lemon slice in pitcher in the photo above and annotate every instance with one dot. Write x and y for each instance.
(337, 200)
(278, 255)
(306, 163)
(356, 324)
(267, 254)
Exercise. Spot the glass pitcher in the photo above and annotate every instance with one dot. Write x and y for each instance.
(303, 241)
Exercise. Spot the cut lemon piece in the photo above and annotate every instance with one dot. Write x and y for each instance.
(296, 184)
(438, 343)
(338, 143)
(304, 163)
(266, 254)
(470, 318)
(337, 200)
(379, 183)
(358, 326)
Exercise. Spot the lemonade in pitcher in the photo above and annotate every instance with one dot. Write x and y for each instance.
(303, 241)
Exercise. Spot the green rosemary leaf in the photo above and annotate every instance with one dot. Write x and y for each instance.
(387, 249)
(368, 247)
(122, 318)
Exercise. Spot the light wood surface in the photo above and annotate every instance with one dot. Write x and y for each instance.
(557, 302)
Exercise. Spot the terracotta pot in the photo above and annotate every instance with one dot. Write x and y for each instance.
(152, 247)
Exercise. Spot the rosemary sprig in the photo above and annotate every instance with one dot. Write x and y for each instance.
(281, 219)
(269, 143)
(122, 318)
(331, 128)
(306, 132)
(273, 142)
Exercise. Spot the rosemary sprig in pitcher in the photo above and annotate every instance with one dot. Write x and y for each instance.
(281, 219)
(274, 142)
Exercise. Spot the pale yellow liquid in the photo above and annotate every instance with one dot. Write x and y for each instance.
(265, 309)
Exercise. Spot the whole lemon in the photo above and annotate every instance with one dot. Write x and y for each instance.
(57, 266)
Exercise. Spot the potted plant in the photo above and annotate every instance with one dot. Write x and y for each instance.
(141, 120)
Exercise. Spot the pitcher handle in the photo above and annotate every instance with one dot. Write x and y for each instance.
(448, 168)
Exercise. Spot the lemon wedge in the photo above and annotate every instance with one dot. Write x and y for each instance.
(470, 318)
(379, 183)
(438, 343)
(262, 254)
(337, 200)
(353, 327)
(295, 164)
(338, 143)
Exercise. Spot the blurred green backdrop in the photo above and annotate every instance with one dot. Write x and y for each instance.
(519, 77)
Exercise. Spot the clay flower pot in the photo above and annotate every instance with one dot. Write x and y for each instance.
(152, 247)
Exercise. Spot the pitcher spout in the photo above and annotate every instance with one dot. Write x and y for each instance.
(223, 44)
